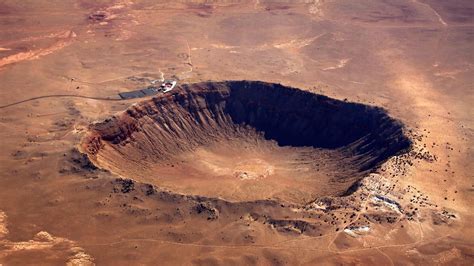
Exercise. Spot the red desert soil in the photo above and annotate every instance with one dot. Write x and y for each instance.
(231, 167)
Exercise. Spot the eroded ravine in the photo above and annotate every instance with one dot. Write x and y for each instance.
(246, 140)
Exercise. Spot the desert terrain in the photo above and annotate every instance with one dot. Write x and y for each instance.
(299, 132)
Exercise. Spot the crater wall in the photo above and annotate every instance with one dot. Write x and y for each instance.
(156, 132)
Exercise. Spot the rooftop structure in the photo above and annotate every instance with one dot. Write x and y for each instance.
(166, 86)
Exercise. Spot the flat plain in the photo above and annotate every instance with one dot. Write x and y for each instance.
(85, 180)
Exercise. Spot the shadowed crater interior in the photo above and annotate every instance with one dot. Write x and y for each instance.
(246, 140)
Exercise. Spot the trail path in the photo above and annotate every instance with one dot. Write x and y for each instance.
(440, 19)
(60, 96)
(189, 62)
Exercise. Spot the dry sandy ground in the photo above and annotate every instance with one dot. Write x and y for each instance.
(63, 62)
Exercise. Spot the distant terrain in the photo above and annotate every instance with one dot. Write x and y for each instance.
(299, 132)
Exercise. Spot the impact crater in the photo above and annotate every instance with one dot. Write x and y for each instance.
(246, 141)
